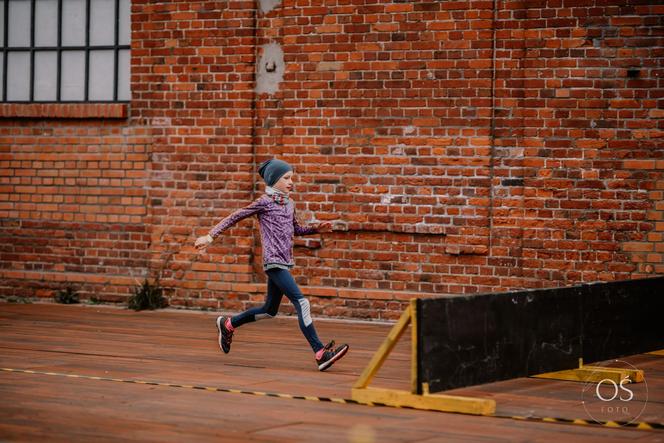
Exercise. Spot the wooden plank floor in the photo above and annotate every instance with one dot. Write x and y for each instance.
(179, 347)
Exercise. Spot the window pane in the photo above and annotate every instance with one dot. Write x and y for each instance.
(73, 75)
(46, 23)
(2, 23)
(123, 75)
(18, 76)
(19, 23)
(101, 75)
(102, 22)
(125, 22)
(2, 73)
(73, 22)
(46, 67)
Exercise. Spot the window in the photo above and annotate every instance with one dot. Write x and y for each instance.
(64, 51)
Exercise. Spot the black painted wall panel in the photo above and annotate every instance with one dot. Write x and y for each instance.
(470, 340)
(623, 318)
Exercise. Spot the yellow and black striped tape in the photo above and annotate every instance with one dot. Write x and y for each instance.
(610, 424)
(175, 385)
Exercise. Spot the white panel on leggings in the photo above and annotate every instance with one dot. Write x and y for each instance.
(306, 311)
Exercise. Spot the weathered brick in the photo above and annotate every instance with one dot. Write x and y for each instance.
(398, 134)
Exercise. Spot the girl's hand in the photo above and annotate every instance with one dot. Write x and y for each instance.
(324, 227)
(203, 242)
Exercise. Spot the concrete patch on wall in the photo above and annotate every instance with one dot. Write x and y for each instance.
(270, 69)
(268, 5)
(329, 66)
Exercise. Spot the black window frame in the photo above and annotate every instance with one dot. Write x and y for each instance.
(59, 48)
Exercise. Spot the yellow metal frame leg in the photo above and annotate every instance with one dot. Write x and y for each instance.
(594, 374)
(362, 393)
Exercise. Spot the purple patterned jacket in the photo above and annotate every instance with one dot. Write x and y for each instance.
(277, 223)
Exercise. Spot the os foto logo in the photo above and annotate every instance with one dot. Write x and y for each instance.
(620, 402)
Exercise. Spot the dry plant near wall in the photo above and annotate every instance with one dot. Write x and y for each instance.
(66, 296)
(147, 296)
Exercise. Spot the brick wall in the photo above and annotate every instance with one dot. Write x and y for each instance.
(72, 207)
(579, 141)
(194, 71)
(458, 147)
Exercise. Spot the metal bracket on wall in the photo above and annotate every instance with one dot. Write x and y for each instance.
(362, 393)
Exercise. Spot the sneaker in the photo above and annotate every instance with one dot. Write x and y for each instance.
(225, 336)
(331, 355)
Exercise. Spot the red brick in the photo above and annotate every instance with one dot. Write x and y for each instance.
(389, 118)
(640, 164)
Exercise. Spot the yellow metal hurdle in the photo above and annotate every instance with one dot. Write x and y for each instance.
(362, 393)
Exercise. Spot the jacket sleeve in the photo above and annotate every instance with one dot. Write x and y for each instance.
(254, 208)
(298, 229)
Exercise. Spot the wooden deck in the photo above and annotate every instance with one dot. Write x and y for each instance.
(178, 350)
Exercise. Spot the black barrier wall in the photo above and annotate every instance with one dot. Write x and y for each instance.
(470, 340)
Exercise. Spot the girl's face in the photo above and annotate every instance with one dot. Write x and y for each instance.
(285, 183)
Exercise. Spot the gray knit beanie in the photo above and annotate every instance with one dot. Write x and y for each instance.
(272, 170)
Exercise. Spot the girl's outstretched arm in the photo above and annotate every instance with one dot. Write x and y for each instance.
(310, 229)
(256, 207)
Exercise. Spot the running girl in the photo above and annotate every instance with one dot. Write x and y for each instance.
(276, 216)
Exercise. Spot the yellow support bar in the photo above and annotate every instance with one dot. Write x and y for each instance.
(634, 375)
(385, 348)
(361, 393)
(413, 346)
(583, 374)
(589, 373)
(435, 402)
(660, 353)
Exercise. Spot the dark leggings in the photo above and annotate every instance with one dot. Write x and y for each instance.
(280, 282)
